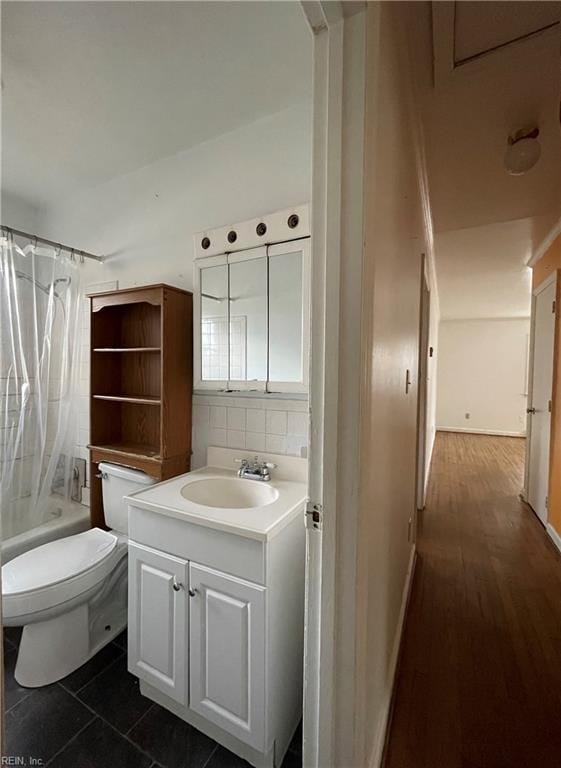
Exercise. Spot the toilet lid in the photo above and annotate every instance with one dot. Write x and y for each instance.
(56, 561)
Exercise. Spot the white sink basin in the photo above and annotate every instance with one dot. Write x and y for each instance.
(226, 493)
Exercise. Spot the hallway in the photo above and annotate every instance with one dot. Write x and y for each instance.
(479, 682)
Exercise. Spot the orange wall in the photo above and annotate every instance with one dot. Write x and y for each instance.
(550, 262)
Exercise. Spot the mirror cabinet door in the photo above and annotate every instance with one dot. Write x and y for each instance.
(248, 318)
(286, 313)
(214, 323)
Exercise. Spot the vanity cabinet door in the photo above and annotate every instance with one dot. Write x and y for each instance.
(157, 634)
(227, 653)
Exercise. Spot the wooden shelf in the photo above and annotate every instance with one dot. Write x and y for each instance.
(128, 349)
(134, 450)
(140, 399)
(141, 383)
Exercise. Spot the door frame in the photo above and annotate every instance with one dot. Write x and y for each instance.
(339, 31)
(552, 278)
(422, 394)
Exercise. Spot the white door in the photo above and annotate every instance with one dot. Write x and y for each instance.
(157, 620)
(422, 376)
(227, 653)
(541, 392)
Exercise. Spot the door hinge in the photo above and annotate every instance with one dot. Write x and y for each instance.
(554, 306)
(547, 502)
(314, 515)
(549, 405)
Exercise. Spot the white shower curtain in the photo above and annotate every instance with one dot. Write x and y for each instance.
(39, 376)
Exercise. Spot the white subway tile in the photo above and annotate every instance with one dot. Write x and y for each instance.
(276, 422)
(275, 443)
(297, 424)
(217, 437)
(255, 420)
(236, 438)
(201, 415)
(218, 417)
(297, 445)
(255, 441)
(236, 419)
(255, 402)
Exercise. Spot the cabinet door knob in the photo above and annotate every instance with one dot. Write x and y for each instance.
(177, 585)
(192, 592)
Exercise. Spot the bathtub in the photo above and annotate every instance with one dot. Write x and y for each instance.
(65, 518)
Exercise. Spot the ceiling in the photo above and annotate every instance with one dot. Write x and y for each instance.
(475, 106)
(481, 27)
(95, 90)
(482, 271)
(483, 88)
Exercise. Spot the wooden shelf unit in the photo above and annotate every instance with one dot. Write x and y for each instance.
(141, 383)
(128, 349)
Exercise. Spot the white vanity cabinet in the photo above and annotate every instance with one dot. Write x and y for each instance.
(227, 652)
(216, 625)
(158, 620)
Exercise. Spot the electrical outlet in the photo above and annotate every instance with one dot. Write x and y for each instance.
(468, 416)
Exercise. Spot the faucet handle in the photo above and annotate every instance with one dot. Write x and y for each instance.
(270, 465)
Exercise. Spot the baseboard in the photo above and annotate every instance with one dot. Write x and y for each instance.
(496, 432)
(554, 536)
(377, 753)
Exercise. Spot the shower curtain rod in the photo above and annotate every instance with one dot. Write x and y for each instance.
(60, 247)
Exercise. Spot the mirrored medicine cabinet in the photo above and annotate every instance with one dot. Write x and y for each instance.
(252, 319)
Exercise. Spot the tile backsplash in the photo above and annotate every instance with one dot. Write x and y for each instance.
(250, 423)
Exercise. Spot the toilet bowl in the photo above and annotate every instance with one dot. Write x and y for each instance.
(70, 595)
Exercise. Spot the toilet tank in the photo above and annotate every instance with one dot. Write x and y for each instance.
(116, 482)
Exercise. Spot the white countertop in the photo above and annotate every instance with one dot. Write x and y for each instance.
(261, 523)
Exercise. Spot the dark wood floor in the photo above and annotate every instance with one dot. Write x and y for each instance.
(479, 681)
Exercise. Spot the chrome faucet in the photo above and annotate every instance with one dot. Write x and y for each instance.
(255, 470)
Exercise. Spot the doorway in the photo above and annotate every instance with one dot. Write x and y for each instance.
(540, 403)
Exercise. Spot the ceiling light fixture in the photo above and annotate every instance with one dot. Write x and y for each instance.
(523, 151)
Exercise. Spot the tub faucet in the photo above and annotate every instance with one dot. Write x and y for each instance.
(255, 470)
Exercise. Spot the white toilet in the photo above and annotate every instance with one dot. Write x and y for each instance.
(70, 595)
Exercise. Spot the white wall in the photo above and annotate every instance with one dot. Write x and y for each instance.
(18, 213)
(144, 224)
(395, 239)
(482, 370)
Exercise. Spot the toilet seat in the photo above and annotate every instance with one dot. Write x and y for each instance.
(58, 572)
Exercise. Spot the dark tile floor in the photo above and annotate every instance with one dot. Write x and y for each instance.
(97, 718)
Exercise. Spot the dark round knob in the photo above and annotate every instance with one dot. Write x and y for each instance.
(261, 229)
(205, 243)
(232, 236)
(293, 221)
